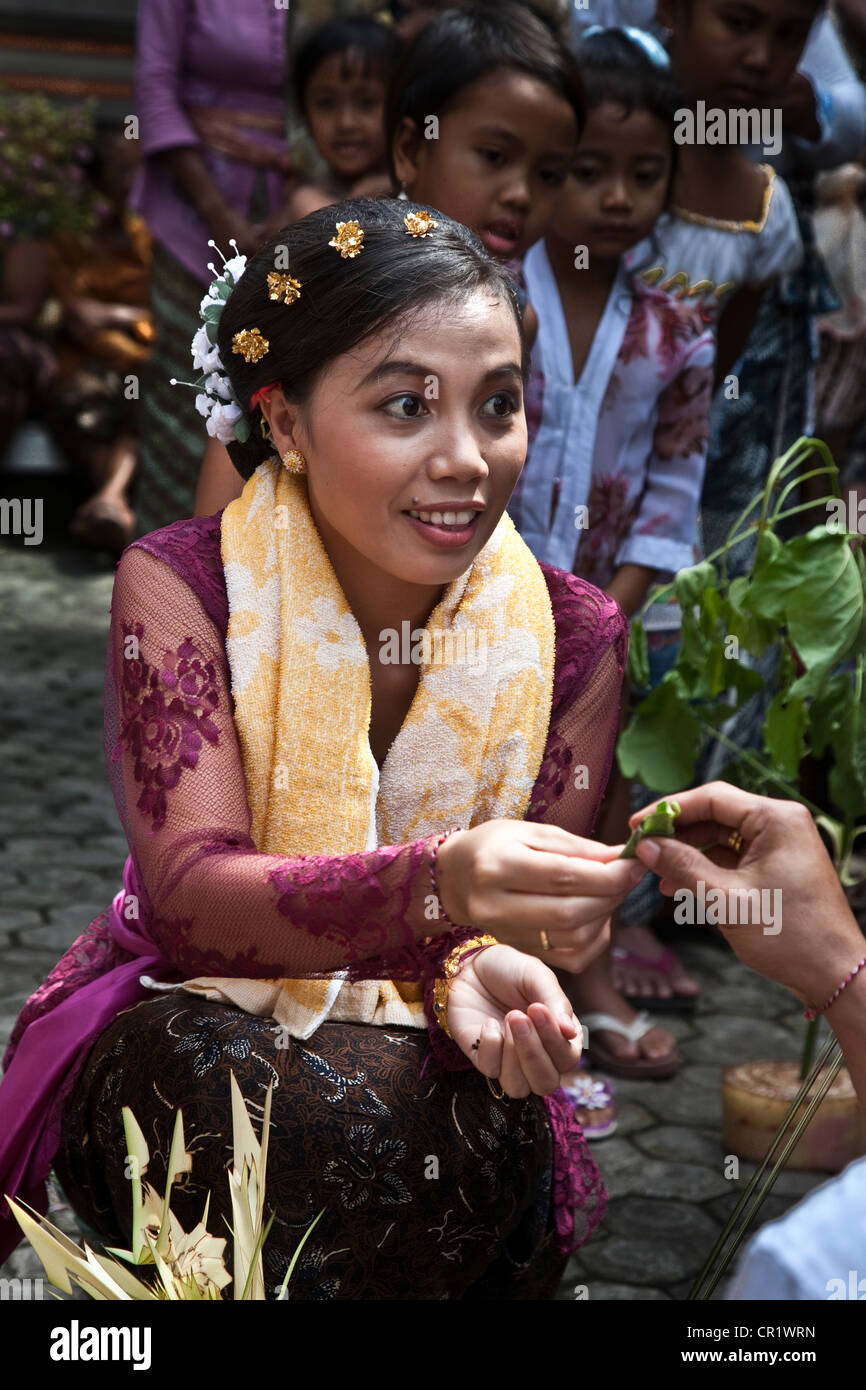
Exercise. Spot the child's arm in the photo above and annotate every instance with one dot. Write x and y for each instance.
(630, 586)
(734, 327)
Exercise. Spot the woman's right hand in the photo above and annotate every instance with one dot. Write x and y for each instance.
(515, 879)
(818, 941)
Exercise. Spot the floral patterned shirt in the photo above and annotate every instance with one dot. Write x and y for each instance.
(616, 463)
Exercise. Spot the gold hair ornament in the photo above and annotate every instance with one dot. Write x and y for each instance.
(283, 287)
(349, 239)
(419, 223)
(251, 344)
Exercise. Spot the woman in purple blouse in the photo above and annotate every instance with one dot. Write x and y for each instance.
(288, 789)
(211, 101)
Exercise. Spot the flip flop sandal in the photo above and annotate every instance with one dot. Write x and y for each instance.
(601, 1056)
(665, 964)
(589, 1093)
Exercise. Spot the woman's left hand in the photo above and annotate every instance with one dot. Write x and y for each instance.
(511, 1005)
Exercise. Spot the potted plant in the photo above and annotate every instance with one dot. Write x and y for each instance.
(802, 602)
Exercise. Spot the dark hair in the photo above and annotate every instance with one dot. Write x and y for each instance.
(460, 46)
(342, 302)
(613, 67)
(377, 46)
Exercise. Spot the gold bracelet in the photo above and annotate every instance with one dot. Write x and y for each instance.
(451, 966)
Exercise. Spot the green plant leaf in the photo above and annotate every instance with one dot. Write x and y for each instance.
(690, 583)
(813, 587)
(784, 733)
(661, 744)
(745, 680)
(753, 632)
(827, 711)
(847, 780)
(638, 656)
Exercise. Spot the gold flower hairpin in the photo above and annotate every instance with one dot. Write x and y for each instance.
(349, 239)
(251, 344)
(283, 287)
(419, 223)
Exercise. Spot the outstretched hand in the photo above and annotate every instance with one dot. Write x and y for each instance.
(511, 1006)
(817, 938)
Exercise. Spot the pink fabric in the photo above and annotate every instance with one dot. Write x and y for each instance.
(198, 898)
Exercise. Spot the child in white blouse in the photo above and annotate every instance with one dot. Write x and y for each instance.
(624, 372)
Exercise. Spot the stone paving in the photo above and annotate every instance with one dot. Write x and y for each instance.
(61, 851)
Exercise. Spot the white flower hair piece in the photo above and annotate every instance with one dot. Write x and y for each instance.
(216, 401)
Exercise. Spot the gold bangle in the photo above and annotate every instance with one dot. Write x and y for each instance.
(450, 967)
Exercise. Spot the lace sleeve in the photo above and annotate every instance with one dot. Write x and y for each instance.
(212, 902)
(591, 649)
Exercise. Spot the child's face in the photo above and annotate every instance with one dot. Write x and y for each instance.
(618, 185)
(499, 162)
(736, 53)
(344, 108)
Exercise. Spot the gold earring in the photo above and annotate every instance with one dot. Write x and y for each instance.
(294, 460)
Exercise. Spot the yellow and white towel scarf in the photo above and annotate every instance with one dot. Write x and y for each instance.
(469, 749)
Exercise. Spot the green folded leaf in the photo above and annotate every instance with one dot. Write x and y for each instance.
(659, 821)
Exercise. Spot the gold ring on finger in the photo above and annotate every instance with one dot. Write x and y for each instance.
(497, 1095)
(545, 941)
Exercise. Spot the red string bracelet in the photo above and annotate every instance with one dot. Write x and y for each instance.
(813, 1013)
(434, 851)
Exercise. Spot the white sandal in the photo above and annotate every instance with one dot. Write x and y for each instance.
(602, 1057)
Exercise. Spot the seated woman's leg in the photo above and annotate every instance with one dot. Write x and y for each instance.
(425, 1178)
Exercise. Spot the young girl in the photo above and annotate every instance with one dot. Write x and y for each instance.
(731, 228)
(482, 120)
(614, 474)
(339, 81)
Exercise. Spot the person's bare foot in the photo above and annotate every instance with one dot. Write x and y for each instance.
(599, 996)
(636, 980)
